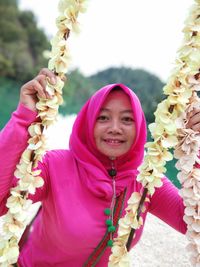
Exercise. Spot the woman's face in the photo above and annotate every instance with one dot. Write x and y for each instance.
(114, 130)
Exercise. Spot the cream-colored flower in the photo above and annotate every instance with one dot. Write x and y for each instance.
(134, 199)
(81, 5)
(124, 227)
(9, 256)
(15, 202)
(156, 130)
(163, 114)
(41, 105)
(169, 141)
(59, 98)
(22, 169)
(26, 156)
(51, 89)
(157, 153)
(39, 153)
(36, 142)
(23, 215)
(12, 226)
(119, 257)
(60, 84)
(29, 183)
(150, 180)
(35, 129)
(180, 99)
(60, 63)
(135, 222)
(68, 19)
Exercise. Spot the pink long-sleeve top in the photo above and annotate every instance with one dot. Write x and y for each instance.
(78, 188)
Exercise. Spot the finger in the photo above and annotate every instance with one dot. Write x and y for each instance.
(43, 81)
(46, 72)
(39, 88)
(32, 88)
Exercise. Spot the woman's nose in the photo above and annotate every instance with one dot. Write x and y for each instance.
(115, 126)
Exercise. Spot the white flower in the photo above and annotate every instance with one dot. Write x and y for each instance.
(9, 252)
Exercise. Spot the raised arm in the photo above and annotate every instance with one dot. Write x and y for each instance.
(14, 136)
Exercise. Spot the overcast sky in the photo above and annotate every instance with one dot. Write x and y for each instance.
(138, 34)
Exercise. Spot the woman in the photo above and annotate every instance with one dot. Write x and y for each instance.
(88, 184)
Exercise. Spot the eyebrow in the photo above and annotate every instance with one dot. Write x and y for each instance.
(123, 111)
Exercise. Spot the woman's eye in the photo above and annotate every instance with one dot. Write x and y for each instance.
(102, 118)
(128, 119)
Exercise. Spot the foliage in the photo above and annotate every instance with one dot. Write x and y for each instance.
(9, 97)
(21, 43)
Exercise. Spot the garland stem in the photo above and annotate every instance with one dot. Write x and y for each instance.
(132, 232)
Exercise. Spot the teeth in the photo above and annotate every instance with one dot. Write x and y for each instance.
(114, 141)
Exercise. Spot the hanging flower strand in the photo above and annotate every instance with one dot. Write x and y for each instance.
(169, 131)
(187, 151)
(14, 222)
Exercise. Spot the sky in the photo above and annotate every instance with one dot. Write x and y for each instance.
(138, 34)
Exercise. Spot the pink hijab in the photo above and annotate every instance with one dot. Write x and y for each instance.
(92, 164)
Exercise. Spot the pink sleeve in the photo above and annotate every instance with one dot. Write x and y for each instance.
(167, 204)
(13, 141)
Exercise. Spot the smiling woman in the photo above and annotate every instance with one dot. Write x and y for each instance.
(97, 176)
(114, 131)
(98, 181)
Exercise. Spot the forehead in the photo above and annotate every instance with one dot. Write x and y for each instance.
(117, 98)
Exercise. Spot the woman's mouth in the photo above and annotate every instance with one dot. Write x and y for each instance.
(113, 142)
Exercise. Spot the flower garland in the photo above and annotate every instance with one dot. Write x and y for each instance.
(169, 131)
(185, 80)
(14, 222)
(187, 151)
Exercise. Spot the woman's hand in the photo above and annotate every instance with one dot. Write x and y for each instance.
(36, 87)
(194, 120)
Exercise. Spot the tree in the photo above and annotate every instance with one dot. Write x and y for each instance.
(21, 42)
